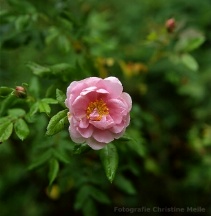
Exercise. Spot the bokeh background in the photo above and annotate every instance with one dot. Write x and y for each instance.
(165, 69)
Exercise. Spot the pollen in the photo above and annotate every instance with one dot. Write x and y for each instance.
(96, 110)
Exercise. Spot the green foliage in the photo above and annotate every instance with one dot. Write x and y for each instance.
(21, 129)
(164, 157)
(109, 158)
(57, 122)
(5, 91)
(53, 170)
(60, 96)
(190, 62)
(6, 128)
(78, 149)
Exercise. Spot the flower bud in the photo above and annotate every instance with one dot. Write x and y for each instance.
(20, 92)
(170, 25)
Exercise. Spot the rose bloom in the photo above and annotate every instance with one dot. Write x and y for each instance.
(99, 111)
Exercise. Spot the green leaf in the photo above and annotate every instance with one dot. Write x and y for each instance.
(16, 112)
(30, 116)
(109, 157)
(34, 87)
(89, 208)
(38, 69)
(40, 160)
(22, 22)
(5, 91)
(34, 109)
(49, 101)
(153, 36)
(61, 68)
(53, 170)
(6, 127)
(51, 35)
(194, 43)
(57, 122)
(189, 62)
(64, 43)
(60, 96)
(6, 103)
(189, 44)
(82, 196)
(21, 129)
(81, 148)
(99, 196)
(125, 185)
(136, 146)
(151, 166)
(44, 107)
(61, 156)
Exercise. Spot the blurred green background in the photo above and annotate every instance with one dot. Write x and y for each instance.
(48, 44)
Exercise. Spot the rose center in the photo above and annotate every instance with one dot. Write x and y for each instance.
(96, 110)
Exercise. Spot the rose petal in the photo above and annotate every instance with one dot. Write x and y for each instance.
(103, 136)
(118, 128)
(74, 90)
(86, 132)
(91, 81)
(102, 91)
(105, 123)
(74, 134)
(95, 144)
(112, 85)
(126, 98)
(88, 90)
(83, 123)
(79, 107)
(118, 135)
(116, 110)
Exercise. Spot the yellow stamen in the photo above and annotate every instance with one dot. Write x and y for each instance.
(100, 107)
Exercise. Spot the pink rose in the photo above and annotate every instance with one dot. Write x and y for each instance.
(98, 111)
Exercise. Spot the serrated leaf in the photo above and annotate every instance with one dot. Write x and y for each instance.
(40, 160)
(21, 129)
(53, 170)
(30, 116)
(189, 62)
(125, 185)
(81, 148)
(6, 128)
(60, 96)
(49, 100)
(44, 107)
(57, 122)
(34, 109)
(109, 157)
(16, 112)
